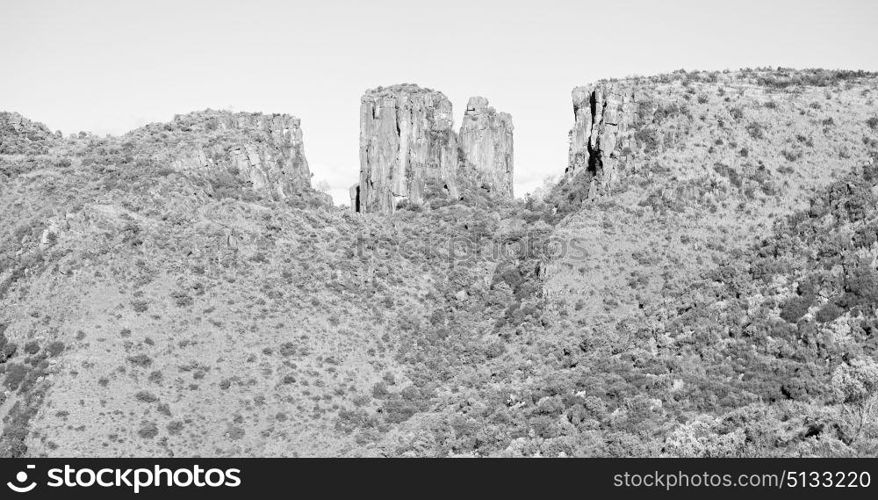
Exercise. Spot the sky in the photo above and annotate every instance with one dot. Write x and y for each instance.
(111, 66)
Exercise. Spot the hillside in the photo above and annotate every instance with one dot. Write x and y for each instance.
(701, 282)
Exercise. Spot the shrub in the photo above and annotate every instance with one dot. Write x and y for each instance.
(55, 348)
(855, 382)
(794, 155)
(148, 430)
(7, 351)
(141, 360)
(755, 130)
(146, 397)
(32, 347)
(15, 375)
(398, 410)
(828, 313)
(795, 308)
(648, 139)
(288, 349)
(182, 299)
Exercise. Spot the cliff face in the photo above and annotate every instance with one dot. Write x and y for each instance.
(486, 144)
(406, 140)
(603, 130)
(409, 151)
(265, 150)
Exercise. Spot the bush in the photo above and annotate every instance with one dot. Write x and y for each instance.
(648, 138)
(146, 397)
(795, 308)
(141, 360)
(791, 156)
(148, 430)
(32, 347)
(175, 427)
(855, 382)
(15, 375)
(55, 348)
(755, 130)
(828, 313)
(139, 305)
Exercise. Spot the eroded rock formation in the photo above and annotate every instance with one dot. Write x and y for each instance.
(486, 145)
(603, 129)
(409, 152)
(406, 142)
(265, 150)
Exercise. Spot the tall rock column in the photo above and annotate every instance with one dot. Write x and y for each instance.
(486, 144)
(406, 143)
(603, 129)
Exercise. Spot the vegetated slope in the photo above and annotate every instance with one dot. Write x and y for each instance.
(152, 311)
(712, 169)
(715, 158)
(681, 309)
(772, 352)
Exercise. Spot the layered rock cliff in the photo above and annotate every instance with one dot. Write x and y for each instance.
(409, 152)
(265, 150)
(486, 145)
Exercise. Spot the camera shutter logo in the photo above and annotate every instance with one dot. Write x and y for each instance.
(21, 477)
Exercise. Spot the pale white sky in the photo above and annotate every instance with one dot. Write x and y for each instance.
(109, 66)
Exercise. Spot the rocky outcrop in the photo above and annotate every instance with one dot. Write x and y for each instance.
(486, 145)
(603, 129)
(19, 135)
(406, 142)
(265, 150)
(410, 154)
(602, 139)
